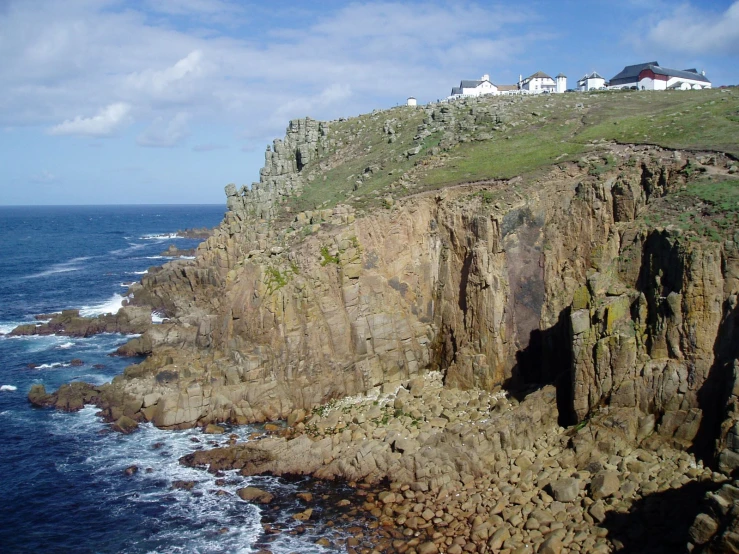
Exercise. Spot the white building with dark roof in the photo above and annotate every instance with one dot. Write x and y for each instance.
(537, 83)
(474, 88)
(651, 76)
(591, 81)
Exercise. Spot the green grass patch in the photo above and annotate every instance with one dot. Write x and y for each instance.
(502, 137)
(327, 258)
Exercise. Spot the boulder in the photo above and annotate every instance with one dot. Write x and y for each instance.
(604, 484)
(213, 429)
(125, 424)
(551, 546)
(703, 529)
(183, 485)
(253, 494)
(566, 490)
(304, 515)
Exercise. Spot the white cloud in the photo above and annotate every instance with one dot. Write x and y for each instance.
(165, 133)
(107, 121)
(60, 58)
(693, 31)
(157, 82)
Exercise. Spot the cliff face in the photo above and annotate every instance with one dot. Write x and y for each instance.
(583, 274)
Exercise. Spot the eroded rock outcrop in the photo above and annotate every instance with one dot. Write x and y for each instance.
(557, 278)
(128, 320)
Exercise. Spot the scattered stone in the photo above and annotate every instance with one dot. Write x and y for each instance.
(213, 429)
(604, 484)
(183, 485)
(304, 515)
(253, 494)
(305, 496)
(566, 490)
(125, 425)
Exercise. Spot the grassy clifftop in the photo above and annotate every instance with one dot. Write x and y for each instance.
(407, 150)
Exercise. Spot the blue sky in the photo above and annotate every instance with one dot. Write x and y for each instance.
(167, 101)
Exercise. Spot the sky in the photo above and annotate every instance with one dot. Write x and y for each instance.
(167, 101)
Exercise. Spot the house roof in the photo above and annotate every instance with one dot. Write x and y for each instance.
(537, 75)
(456, 90)
(469, 84)
(561, 75)
(681, 73)
(630, 73)
(592, 75)
(504, 88)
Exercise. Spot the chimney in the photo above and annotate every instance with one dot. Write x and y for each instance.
(703, 72)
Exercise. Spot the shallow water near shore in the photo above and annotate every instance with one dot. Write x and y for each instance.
(64, 486)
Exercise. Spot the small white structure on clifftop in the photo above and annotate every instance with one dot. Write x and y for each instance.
(561, 83)
(591, 81)
(411, 101)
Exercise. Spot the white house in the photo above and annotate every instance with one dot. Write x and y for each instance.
(650, 76)
(474, 88)
(591, 81)
(537, 83)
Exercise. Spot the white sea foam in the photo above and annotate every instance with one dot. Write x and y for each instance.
(161, 236)
(53, 365)
(140, 272)
(66, 345)
(132, 247)
(75, 264)
(157, 317)
(187, 257)
(8, 388)
(110, 306)
(7, 326)
(193, 519)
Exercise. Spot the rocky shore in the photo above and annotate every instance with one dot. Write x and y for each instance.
(129, 320)
(173, 252)
(543, 362)
(472, 471)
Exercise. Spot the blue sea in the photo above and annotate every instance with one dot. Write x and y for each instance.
(63, 486)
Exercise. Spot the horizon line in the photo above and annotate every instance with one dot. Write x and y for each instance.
(101, 205)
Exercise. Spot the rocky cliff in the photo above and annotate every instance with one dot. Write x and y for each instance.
(362, 258)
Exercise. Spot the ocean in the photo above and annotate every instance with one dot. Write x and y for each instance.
(63, 486)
